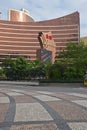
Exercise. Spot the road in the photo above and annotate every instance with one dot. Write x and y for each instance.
(43, 108)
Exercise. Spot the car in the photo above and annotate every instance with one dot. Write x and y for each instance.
(85, 80)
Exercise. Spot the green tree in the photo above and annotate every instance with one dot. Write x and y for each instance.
(15, 69)
(55, 71)
(37, 69)
(75, 60)
(20, 68)
(7, 64)
(2, 74)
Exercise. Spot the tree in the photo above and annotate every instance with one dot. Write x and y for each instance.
(2, 74)
(7, 64)
(37, 69)
(75, 60)
(15, 69)
(55, 71)
(20, 68)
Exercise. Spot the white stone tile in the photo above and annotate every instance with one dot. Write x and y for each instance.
(14, 94)
(30, 93)
(81, 102)
(4, 100)
(22, 91)
(78, 95)
(45, 92)
(78, 126)
(18, 91)
(46, 98)
(31, 112)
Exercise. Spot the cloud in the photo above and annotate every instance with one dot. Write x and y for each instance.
(75, 4)
(46, 9)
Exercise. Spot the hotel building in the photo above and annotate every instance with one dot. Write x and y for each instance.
(19, 35)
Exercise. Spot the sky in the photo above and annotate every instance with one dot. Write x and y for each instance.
(48, 9)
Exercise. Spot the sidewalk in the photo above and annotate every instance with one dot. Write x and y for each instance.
(36, 83)
(33, 83)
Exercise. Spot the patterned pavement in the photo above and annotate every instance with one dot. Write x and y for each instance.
(42, 110)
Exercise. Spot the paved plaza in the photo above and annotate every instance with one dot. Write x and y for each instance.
(43, 108)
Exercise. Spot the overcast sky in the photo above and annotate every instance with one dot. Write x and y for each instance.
(49, 9)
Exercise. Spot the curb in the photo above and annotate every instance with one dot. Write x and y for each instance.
(32, 83)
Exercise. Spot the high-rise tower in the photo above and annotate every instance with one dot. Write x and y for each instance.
(20, 15)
